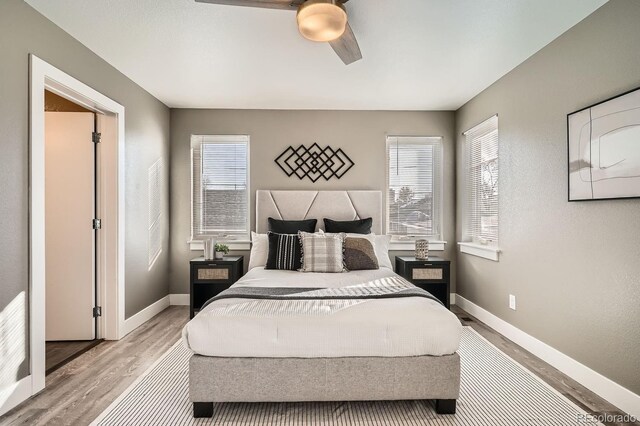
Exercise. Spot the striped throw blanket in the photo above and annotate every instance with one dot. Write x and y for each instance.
(384, 288)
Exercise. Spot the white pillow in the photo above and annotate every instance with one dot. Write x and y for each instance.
(259, 250)
(380, 245)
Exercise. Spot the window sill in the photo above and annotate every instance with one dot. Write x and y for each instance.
(486, 252)
(234, 245)
(403, 245)
(196, 245)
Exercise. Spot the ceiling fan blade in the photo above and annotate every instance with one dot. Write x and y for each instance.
(346, 47)
(266, 4)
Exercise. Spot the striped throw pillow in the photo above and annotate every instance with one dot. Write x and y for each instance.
(284, 252)
(322, 252)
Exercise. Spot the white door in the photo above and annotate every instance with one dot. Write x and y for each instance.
(69, 234)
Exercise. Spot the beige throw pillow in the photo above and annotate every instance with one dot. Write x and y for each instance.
(322, 252)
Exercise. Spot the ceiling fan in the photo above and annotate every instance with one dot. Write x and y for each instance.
(318, 20)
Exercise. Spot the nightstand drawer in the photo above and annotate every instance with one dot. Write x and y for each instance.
(212, 273)
(427, 273)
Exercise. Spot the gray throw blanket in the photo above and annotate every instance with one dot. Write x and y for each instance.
(386, 288)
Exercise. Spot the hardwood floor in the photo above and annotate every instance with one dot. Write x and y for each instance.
(79, 391)
(61, 353)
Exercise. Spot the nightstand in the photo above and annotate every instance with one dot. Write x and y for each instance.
(431, 275)
(211, 277)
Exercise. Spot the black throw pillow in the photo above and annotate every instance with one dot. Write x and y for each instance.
(285, 252)
(362, 226)
(292, 226)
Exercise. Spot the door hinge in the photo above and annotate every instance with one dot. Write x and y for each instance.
(97, 311)
(97, 224)
(95, 137)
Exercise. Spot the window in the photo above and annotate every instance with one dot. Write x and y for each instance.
(155, 174)
(414, 187)
(481, 214)
(220, 186)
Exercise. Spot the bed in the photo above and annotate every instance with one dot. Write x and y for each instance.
(382, 342)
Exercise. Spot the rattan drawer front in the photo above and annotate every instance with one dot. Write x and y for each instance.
(427, 274)
(208, 274)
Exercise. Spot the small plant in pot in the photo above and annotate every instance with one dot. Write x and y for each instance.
(221, 250)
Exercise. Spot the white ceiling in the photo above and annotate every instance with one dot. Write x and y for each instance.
(418, 54)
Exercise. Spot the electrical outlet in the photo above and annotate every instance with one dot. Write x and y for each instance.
(512, 302)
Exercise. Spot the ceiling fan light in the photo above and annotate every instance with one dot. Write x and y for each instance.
(321, 20)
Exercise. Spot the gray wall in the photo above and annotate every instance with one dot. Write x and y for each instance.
(360, 133)
(24, 31)
(574, 267)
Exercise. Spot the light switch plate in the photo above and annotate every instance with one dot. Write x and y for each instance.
(512, 302)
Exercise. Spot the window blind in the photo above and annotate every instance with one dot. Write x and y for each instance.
(219, 181)
(155, 174)
(482, 189)
(414, 186)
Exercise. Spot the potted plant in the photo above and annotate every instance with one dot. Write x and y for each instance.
(221, 250)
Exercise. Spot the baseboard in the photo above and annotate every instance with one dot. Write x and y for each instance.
(145, 315)
(179, 299)
(619, 396)
(14, 394)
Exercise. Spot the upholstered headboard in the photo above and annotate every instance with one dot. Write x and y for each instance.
(336, 205)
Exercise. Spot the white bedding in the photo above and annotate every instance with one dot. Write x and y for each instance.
(408, 326)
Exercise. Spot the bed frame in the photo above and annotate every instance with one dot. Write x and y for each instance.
(220, 379)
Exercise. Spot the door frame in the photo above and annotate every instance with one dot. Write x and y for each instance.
(111, 201)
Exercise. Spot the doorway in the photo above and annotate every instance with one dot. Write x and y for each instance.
(109, 178)
(71, 231)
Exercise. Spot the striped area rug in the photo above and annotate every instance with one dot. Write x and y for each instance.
(495, 390)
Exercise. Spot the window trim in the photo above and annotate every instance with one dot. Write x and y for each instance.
(491, 250)
(480, 250)
(234, 245)
(399, 242)
(410, 245)
(238, 241)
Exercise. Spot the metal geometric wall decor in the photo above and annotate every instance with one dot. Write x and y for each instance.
(314, 162)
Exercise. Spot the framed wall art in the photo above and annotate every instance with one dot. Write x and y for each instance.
(604, 149)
